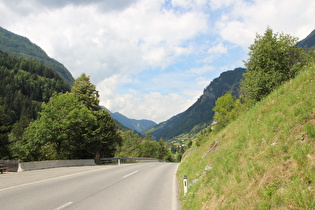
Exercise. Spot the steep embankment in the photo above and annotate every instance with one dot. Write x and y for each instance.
(265, 159)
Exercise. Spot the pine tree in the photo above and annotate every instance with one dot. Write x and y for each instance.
(86, 92)
(4, 131)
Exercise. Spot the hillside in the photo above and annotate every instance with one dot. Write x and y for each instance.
(19, 46)
(263, 160)
(201, 111)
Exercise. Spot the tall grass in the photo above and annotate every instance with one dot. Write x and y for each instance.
(263, 160)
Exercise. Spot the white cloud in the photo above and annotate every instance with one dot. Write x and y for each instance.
(151, 58)
(188, 4)
(153, 105)
(243, 19)
(201, 70)
(219, 4)
(218, 49)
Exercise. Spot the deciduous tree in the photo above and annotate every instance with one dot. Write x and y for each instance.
(273, 59)
(227, 108)
(64, 130)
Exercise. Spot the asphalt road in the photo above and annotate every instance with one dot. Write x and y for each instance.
(135, 186)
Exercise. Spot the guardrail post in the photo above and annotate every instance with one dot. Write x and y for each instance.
(185, 185)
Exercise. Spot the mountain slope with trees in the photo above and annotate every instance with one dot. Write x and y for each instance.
(264, 158)
(22, 47)
(309, 41)
(201, 111)
(24, 85)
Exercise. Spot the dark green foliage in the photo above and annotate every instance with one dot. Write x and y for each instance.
(86, 92)
(200, 112)
(24, 85)
(15, 136)
(106, 135)
(22, 47)
(70, 126)
(273, 59)
(130, 146)
(62, 131)
(133, 146)
(4, 141)
(309, 41)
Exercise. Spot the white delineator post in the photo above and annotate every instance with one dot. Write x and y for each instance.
(185, 185)
(118, 162)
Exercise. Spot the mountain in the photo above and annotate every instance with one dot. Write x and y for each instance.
(201, 111)
(24, 85)
(309, 41)
(137, 125)
(19, 46)
(262, 160)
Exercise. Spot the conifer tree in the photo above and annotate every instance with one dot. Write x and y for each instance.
(4, 130)
(86, 92)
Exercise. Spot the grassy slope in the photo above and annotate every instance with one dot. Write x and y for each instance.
(265, 159)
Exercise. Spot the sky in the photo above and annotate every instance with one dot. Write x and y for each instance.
(152, 59)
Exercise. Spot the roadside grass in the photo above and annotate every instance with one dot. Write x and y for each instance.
(263, 160)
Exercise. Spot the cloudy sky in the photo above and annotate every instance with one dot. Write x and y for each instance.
(151, 59)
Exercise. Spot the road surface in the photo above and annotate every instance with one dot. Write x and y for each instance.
(134, 186)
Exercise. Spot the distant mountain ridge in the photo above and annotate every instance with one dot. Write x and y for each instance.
(22, 47)
(201, 111)
(137, 125)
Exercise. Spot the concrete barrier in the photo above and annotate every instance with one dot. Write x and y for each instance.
(28, 166)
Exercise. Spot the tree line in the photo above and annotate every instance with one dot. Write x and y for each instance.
(134, 145)
(24, 85)
(41, 118)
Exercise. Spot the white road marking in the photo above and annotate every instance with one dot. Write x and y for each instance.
(64, 206)
(175, 194)
(130, 174)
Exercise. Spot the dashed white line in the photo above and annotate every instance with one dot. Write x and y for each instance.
(64, 205)
(130, 174)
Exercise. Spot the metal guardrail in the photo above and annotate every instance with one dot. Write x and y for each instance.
(11, 165)
(126, 160)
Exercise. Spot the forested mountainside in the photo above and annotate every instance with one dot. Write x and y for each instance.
(309, 41)
(24, 85)
(201, 111)
(19, 46)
